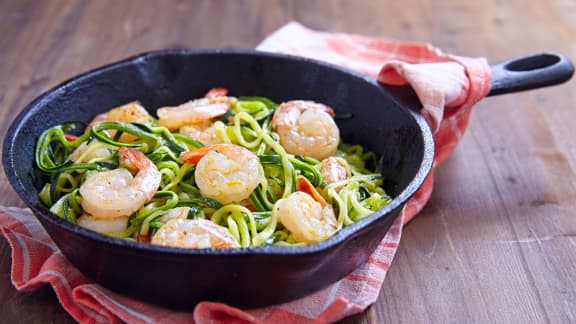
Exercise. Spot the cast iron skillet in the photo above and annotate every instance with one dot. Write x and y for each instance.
(248, 277)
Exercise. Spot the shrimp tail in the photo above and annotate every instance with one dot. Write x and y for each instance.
(304, 185)
(134, 159)
(216, 92)
(192, 157)
(327, 110)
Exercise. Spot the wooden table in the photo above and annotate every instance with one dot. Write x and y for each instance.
(497, 241)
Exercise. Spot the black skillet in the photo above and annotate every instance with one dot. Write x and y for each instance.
(247, 277)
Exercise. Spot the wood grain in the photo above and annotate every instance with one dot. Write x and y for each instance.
(495, 243)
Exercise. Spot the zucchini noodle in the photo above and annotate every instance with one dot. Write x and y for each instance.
(68, 154)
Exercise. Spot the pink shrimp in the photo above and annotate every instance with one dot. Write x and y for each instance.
(225, 172)
(333, 170)
(193, 112)
(132, 112)
(194, 233)
(116, 193)
(307, 128)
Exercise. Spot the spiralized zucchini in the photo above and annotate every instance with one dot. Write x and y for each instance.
(66, 161)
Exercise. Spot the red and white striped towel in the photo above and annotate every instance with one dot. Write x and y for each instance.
(447, 86)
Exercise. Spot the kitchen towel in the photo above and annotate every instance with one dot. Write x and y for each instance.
(447, 86)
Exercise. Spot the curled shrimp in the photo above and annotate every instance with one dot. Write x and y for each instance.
(132, 112)
(192, 112)
(333, 170)
(116, 193)
(194, 117)
(194, 233)
(307, 219)
(225, 172)
(306, 128)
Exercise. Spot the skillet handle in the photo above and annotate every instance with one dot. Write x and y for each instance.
(529, 72)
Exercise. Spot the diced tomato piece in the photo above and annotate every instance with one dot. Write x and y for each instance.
(304, 185)
(70, 137)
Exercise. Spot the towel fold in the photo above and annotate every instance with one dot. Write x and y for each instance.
(447, 86)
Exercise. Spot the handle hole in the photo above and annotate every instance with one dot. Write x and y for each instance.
(533, 63)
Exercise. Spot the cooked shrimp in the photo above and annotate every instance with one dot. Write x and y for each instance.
(205, 132)
(306, 128)
(193, 112)
(175, 213)
(307, 220)
(194, 233)
(87, 152)
(225, 172)
(116, 193)
(333, 169)
(129, 113)
(194, 119)
(118, 224)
